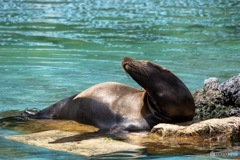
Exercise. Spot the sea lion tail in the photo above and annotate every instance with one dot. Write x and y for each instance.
(13, 118)
(24, 116)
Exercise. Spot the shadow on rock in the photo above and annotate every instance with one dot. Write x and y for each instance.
(93, 135)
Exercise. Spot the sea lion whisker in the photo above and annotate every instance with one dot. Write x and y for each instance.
(146, 74)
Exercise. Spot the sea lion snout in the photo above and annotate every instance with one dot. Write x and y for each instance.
(126, 61)
(129, 64)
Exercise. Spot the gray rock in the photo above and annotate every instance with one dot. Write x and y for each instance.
(212, 83)
(231, 90)
(218, 100)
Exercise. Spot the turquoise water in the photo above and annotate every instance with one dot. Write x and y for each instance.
(51, 49)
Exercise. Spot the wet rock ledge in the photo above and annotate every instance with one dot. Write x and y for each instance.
(227, 129)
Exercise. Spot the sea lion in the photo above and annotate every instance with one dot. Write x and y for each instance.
(111, 105)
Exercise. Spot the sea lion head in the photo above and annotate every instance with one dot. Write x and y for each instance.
(169, 98)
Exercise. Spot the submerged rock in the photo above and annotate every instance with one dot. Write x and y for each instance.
(70, 143)
(218, 100)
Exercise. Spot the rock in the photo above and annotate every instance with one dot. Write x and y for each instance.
(90, 147)
(226, 128)
(212, 83)
(167, 139)
(231, 90)
(218, 100)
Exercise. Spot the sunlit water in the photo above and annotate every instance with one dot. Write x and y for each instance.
(51, 49)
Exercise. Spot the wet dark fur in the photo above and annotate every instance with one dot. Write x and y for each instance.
(165, 99)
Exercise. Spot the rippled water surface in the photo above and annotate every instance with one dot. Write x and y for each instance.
(51, 49)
